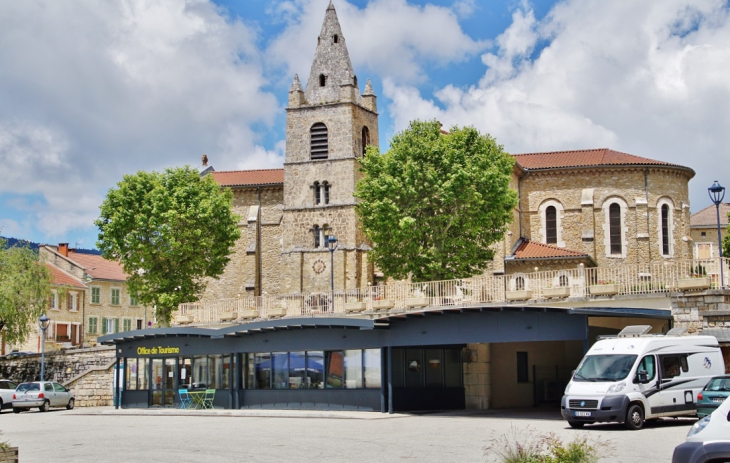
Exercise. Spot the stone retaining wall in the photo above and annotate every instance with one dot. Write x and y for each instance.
(87, 372)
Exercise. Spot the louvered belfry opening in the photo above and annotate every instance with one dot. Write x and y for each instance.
(319, 147)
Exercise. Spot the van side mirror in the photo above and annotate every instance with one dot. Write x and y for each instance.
(643, 376)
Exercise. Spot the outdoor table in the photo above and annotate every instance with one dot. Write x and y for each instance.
(197, 399)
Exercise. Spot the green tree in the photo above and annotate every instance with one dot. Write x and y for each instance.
(25, 291)
(435, 202)
(726, 239)
(170, 231)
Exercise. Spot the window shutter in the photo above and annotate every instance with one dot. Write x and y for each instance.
(116, 325)
(103, 326)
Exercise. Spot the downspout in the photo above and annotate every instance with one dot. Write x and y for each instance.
(258, 245)
(646, 196)
(519, 198)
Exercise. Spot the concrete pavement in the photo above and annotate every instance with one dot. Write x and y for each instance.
(159, 435)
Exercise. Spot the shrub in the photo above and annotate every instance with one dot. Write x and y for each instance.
(528, 446)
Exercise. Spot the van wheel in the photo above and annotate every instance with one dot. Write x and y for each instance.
(16, 410)
(44, 408)
(634, 417)
(576, 424)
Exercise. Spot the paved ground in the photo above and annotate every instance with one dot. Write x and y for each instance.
(107, 435)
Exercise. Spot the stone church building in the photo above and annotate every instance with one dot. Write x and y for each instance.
(595, 207)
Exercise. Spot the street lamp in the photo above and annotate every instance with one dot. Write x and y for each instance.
(717, 193)
(332, 245)
(43, 325)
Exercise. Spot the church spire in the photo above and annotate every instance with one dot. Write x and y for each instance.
(331, 68)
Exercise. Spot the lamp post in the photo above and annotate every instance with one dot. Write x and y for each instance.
(332, 245)
(43, 325)
(717, 193)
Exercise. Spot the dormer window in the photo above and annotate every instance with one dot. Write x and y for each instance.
(318, 138)
(335, 38)
(322, 80)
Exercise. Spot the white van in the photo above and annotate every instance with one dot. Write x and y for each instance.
(636, 376)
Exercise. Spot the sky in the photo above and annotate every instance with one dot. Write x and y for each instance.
(92, 91)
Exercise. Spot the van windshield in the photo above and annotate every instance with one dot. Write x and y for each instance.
(604, 367)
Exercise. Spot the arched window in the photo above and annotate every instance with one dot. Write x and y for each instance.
(551, 212)
(551, 225)
(354, 79)
(326, 192)
(317, 236)
(317, 194)
(665, 229)
(615, 235)
(563, 281)
(318, 138)
(365, 139)
(322, 80)
(665, 207)
(519, 284)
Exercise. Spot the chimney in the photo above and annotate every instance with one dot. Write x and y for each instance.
(63, 249)
(205, 160)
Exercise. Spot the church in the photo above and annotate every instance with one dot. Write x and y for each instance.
(598, 207)
(598, 239)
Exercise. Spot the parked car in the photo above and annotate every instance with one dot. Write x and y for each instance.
(712, 395)
(41, 394)
(7, 388)
(708, 440)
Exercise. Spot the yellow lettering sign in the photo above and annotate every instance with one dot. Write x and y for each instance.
(157, 350)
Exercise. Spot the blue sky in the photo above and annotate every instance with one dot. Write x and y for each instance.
(90, 92)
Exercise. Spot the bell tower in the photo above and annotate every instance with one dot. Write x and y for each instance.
(329, 125)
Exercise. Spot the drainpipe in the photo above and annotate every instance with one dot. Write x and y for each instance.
(519, 198)
(259, 289)
(646, 195)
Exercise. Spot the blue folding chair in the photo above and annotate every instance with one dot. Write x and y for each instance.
(185, 399)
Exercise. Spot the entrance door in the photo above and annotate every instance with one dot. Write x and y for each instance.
(157, 382)
(164, 376)
(169, 382)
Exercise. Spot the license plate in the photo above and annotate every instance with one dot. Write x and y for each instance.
(582, 413)
(718, 399)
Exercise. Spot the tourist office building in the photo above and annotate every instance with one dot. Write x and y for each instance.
(425, 361)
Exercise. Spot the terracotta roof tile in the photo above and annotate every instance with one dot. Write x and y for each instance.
(584, 158)
(531, 250)
(249, 177)
(62, 278)
(707, 217)
(98, 267)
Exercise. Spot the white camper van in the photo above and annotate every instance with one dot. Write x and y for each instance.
(636, 376)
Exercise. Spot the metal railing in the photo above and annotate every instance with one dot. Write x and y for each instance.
(403, 296)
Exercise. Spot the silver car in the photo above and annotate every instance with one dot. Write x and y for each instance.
(6, 393)
(41, 394)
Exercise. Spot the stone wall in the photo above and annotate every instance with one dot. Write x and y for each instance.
(87, 372)
(581, 195)
(702, 310)
(477, 377)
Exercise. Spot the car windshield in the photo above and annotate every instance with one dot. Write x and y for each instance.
(604, 367)
(29, 387)
(718, 384)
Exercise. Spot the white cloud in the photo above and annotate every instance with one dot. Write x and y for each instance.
(649, 78)
(92, 91)
(390, 38)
